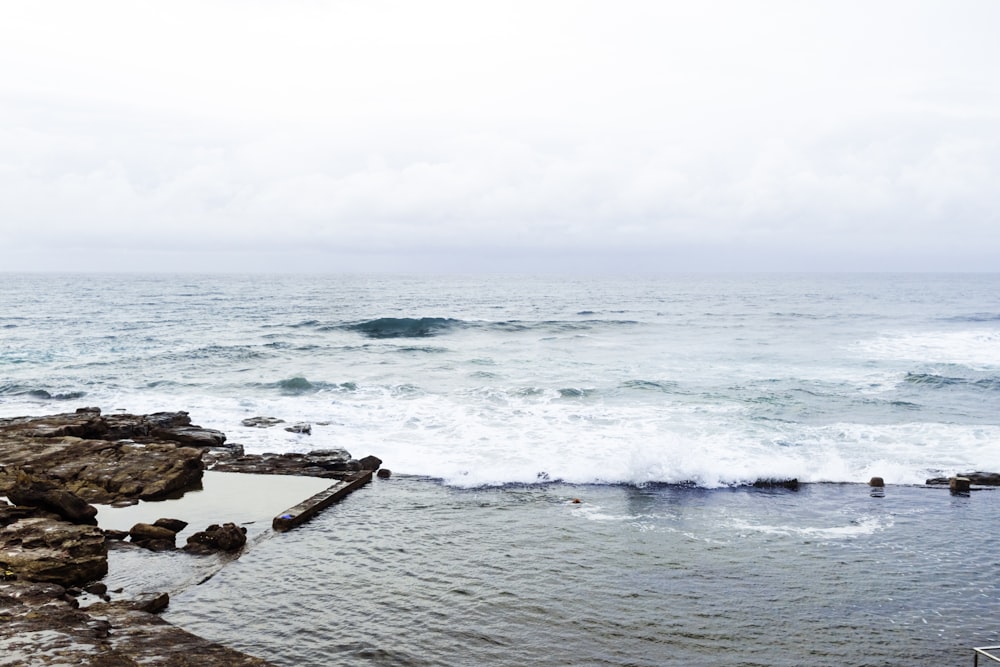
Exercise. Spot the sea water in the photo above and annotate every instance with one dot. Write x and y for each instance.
(498, 397)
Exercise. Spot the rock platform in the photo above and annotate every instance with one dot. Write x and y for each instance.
(53, 468)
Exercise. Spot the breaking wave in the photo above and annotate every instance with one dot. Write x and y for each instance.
(941, 381)
(404, 327)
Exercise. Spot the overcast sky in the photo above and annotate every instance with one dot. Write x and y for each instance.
(522, 136)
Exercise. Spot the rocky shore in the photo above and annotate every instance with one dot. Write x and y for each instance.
(54, 608)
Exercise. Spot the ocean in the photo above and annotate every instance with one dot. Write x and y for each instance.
(497, 400)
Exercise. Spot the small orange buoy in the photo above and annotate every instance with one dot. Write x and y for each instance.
(576, 501)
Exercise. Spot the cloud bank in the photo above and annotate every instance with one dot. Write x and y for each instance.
(455, 136)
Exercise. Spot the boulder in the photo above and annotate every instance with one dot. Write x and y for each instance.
(154, 538)
(227, 537)
(152, 604)
(370, 463)
(302, 428)
(173, 525)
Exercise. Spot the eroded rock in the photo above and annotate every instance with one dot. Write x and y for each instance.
(327, 463)
(107, 459)
(39, 546)
(32, 491)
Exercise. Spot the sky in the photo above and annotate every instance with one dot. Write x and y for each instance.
(466, 136)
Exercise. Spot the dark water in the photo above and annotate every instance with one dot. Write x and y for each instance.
(411, 572)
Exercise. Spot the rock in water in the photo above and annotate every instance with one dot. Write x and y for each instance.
(38, 546)
(262, 422)
(173, 525)
(227, 537)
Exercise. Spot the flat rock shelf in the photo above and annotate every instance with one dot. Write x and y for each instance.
(88, 557)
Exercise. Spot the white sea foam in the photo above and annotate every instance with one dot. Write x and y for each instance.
(865, 525)
(691, 382)
(976, 348)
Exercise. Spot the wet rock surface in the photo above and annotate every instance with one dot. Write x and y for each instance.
(40, 546)
(106, 459)
(40, 626)
(154, 538)
(977, 478)
(328, 463)
(228, 537)
(29, 491)
(53, 467)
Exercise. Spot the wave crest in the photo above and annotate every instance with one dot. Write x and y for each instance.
(404, 327)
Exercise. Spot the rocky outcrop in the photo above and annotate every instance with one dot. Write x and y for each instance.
(39, 546)
(107, 459)
(89, 423)
(328, 463)
(52, 467)
(31, 491)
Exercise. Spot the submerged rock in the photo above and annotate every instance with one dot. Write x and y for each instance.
(262, 422)
(792, 484)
